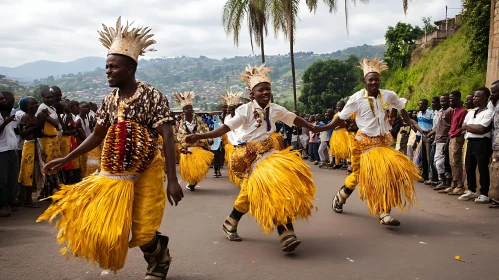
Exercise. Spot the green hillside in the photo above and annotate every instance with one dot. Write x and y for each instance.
(434, 72)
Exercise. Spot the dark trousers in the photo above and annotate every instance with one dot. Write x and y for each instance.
(425, 157)
(478, 152)
(9, 173)
(314, 151)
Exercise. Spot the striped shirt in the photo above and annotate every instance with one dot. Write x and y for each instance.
(425, 120)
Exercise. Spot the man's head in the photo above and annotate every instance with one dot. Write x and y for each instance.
(56, 91)
(225, 108)
(84, 108)
(435, 103)
(481, 97)
(318, 117)
(59, 108)
(469, 101)
(340, 105)
(455, 99)
(423, 105)
(8, 102)
(74, 107)
(188, 111)
(48, 97)
(494, 92)
(372, 82)
(120, 69)
(262, 93)
(32, 105)
(92, 106)
(330, 113)
(414, 115)
(444, 101)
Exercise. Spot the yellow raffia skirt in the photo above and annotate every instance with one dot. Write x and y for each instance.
(229, 150)
(27, 169)
(280, 189)
(98, 213)
(339, 144)
(278, 139)
(65, 145)
(195, 165)
(386, 180)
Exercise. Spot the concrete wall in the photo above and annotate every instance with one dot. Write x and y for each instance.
(493, 59)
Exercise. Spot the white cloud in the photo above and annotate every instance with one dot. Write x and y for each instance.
(64, 30)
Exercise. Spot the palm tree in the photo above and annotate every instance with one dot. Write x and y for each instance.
(254, 10)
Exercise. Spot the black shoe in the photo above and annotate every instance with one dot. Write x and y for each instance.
(289, 243)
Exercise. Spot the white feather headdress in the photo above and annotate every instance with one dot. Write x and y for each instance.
(253, 76)
(369, 65)
(121, 40)
(184, 98)
(232, 98)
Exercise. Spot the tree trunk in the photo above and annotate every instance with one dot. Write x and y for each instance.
(291, 53)
(262, 48)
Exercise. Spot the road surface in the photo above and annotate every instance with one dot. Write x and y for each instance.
(351, 245)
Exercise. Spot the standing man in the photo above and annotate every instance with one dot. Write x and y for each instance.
(494, 104)
(9, 163)
(128, 194)
(456, 144)
(441, 132)
(425, 122)
(385, 176)
(437, 108)
(479, 149)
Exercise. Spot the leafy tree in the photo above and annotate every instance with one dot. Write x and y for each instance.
(476, 19)
(327, 82)
(398, 39)
(428, 26)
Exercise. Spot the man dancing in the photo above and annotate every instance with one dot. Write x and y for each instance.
(128, 194)
(385, 176)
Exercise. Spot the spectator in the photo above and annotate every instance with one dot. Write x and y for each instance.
(456, 143)
(9, 163)
(494, 104)
(313, 143)
(477, 127)
(441, 132)
(435, 105)
(425, 121)
(324, 146)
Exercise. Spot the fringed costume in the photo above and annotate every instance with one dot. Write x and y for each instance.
(230, 140)
(277, 186)
(195, 159)
(98, 213)
(385, 176)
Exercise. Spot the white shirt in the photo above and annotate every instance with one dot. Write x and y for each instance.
(247, 124)
(8, 139)
(483, 118)
(19, 115)
(368, 123)
(53, 112)
(232, 135)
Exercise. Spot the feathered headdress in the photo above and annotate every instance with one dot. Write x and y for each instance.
(184, 98)
(232, 98)
(131, 43)
(253, 76)
(369, 65)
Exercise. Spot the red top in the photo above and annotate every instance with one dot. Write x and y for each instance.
(457, 119)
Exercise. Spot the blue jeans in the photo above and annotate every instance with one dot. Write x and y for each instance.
(314, 151)
(295, 145)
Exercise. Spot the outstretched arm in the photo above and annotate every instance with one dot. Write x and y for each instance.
(333, 124)
(301, 122)
(412, 123)
(192, 138)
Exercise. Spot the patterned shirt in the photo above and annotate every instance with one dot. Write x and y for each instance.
(148, 106)
(425, 120)
(198, 125)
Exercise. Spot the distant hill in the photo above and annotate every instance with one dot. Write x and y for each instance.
(43, 68)
(208, 77)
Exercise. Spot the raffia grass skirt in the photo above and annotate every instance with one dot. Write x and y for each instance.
(195, 165)
(229, 150)
(339, 144)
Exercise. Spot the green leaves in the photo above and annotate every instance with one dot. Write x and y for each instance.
(398, 39)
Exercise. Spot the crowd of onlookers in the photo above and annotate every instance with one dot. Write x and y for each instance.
(25, 140)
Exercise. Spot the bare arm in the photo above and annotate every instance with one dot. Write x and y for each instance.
(192, 138)
(476, 128)
(414, 125)
(334, 123)
(173, 189)
(299, 121)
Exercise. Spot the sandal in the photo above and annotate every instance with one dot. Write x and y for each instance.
(388, 220)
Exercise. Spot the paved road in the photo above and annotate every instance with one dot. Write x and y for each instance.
(334, 246)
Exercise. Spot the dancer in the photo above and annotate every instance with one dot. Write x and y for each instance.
(217, 148)
(128, 193)
(385, 176)
(340, 141)
(232, 100)
(195, 159)
(277, 187)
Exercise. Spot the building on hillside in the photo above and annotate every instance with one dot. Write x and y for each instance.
(445, 28)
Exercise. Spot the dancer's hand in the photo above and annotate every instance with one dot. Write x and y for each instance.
(191, 138)
(174, 192)
(55, 165)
